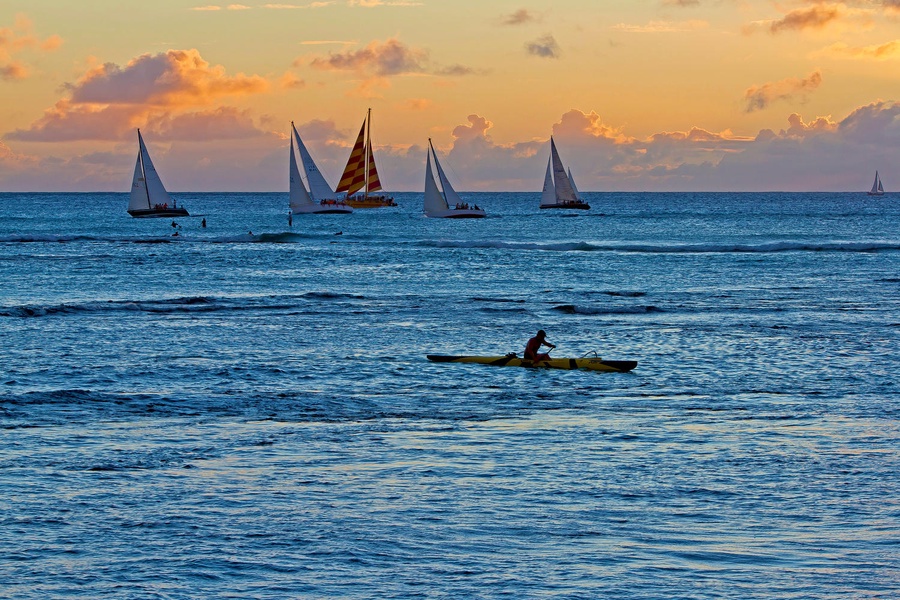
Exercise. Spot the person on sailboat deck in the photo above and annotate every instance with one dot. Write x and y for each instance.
(534, 344)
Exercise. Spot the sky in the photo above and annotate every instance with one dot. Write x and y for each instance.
(639, 95)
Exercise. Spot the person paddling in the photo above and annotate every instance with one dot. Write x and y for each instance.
(534, 344)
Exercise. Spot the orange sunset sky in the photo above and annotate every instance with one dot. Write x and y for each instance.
(655, 95)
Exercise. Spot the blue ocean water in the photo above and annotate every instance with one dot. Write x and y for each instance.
(245, 410)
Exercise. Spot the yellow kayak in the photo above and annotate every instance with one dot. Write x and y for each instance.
(511, 360)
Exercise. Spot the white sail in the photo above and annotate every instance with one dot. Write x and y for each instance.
(564, 191)
(450, 195)
(318, 187)
(574, 187)
(877, 188)
(434, 203)
(139, 199)
(548, 195)
(299, 197)
(153, 186)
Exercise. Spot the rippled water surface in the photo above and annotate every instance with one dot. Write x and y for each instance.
(245, 410)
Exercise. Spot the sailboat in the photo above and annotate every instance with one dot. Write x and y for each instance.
(559, 189)
(360, 173)
(437, 202)
(319, 199)
(877, 188)
(149, 197)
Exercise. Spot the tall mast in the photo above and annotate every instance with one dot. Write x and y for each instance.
(368, 149)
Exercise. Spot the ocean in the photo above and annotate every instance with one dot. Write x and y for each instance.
(245, 410)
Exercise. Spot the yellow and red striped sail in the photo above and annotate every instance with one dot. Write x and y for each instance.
(354, 177)
(373, 184)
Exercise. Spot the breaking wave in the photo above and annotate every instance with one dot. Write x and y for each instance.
(768, 247)
(188, 304)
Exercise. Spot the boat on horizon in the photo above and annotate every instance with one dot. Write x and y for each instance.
(360, 174)
(149, 197)
(877, 187)
(437, 201)
(559, 189)
(319, 199)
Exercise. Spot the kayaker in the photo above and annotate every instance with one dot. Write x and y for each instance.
(534, 344)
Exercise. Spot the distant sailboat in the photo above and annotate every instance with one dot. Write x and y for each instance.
(437, 201)
(149, 197)
(319, 199)
(360, 173)
(877, 188)
(559, 190)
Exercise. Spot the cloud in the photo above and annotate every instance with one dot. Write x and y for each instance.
(814, 17)
(575, 124)
(392, 57)
(883, 52)
(18, 39)
(663, 26)
(520, 17)
(544, 47)
(289, 81)
(759, 97)
(176, 77)
(375, 3)
(297, 6)
(223, 123)
(819, 16)
(13, 71)
(681, 3)
(456, 71)
(327, 42)
(417, 104)
(378, 61)
(108, 100)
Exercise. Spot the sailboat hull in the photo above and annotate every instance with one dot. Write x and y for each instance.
(149, 213)
(569, 205)
(591, 364)
(454, 213)
(371, 202)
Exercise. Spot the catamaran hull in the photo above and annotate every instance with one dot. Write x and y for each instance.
(575, 205)
(592, 364)
(148, 213)
(322, 209)
(371, 202)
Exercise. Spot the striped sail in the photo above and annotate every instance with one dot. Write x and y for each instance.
(373, 184)
(354, 177)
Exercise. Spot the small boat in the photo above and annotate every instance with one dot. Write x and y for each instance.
(591, 363)
(877, 188)
(149, 197)
(559, 190)
(360, 173)
(437, 201)
(319, 199)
